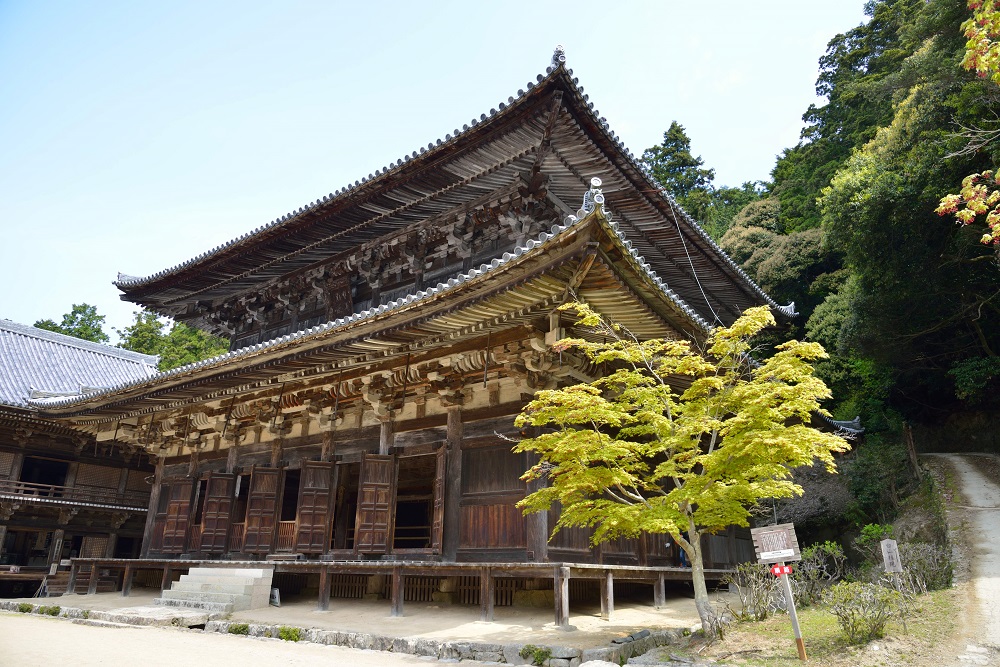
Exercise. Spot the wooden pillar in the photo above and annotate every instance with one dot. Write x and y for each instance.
(560, 585)
(324, 589)
(487, 594)
(277, 451)
(385, 437)
(3, 537)
(127, 580)
(660, 591)
(109, 552)
(55, 552)
(537, 523)
(94, 573)
(397, 592)
(607, 595)
(154, 503)
(453, 486)
(167, 575)
(328, 448)
(71, 584)
(15, 469)
(71, 470)
(232, 456)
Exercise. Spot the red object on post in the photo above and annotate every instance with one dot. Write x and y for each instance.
(778, 570)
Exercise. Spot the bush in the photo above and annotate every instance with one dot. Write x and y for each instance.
(50, 611)
(289, 634)
(238, 629)
(539, 654)
(926, 567)
(863, 609)
(822, 565)
(757, 590)
(24, 608)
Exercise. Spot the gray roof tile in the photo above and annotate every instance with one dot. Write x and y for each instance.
(44, 361)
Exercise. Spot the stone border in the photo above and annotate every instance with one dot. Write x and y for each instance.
(509, 654)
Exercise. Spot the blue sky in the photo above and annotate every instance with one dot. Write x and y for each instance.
(135, 135)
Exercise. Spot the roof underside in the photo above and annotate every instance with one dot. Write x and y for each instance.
(497, 151)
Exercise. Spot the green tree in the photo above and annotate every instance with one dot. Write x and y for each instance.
(680, 172)
(81, 322)
(675, 441)
(179, 346)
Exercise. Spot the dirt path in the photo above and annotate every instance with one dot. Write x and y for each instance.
(973, 480)
(34, 640)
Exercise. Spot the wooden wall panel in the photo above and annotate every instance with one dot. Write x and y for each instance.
(314, 515)
(262, 509)
(492, 526)
(376, 505)
(6, 464)
(216, 514)
(178, 514)
(488, 470)
(102, 477)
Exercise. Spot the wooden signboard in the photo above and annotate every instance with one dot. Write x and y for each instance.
(775, 544)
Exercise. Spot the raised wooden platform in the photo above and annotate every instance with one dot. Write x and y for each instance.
(488, 573)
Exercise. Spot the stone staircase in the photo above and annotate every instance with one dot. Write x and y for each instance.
(220, 589)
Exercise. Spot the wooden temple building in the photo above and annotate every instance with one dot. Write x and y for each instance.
(62, 494)
(384, 337)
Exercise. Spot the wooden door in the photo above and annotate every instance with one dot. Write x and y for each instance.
(216, 514)
(175, 524)
(376, 501)
(262, 510)
(437, 516)
(316, 491)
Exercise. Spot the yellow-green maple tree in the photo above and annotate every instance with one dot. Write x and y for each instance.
(673, 440)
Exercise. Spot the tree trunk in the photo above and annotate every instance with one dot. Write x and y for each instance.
(701, 601)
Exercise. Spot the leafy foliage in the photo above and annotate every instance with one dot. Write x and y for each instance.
(863, 609)
(676, 441)
(81, 322)
(179, 346)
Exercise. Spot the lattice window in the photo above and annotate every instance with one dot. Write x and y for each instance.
(94, 546)
(6, 464)
(99, 476)
(137, 481)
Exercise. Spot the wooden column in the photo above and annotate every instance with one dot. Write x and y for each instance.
(607, 595)
(560, 586)
(232, 456)
(328, 448)
(660, 591)
(453, 486)
(537, 523)
(385, 437)
(127, 580)
(154, 503)
(71, 584)
(3, 537)
(165, 581)
(277, 451)
(397, 592)
(94, 573)
(109, 552)
(487, 594)
(55, 554)
(324, 589)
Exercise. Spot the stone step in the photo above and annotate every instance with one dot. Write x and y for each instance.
(102, 624)
(202, 596)
(223, 581)
(214, 607)
(256, 573)
(153, 615)
(199, 587)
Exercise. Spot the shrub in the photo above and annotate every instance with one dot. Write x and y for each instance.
(538, 654)
(926, 567)
(238, 629)
(50, 611)
(85, 613)
(289, 634)
(757, 590)
(822, 565)
(863, 609)
(24, 608)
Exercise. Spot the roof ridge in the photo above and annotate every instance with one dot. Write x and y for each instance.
(79, 343)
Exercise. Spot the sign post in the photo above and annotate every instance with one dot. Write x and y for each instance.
(776, 545)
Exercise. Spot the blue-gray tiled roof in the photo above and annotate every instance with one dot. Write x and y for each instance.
(45, 362)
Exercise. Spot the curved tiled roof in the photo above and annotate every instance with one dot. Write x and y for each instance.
(694, 242)
(36, 360)
(533, 246)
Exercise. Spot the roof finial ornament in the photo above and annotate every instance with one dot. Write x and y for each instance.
(559, 56)
(593, 198)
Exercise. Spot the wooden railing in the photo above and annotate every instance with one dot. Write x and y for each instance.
(236, 531)
(286, 536)
(80, 494)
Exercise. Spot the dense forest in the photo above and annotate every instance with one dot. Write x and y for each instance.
(906, 301)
